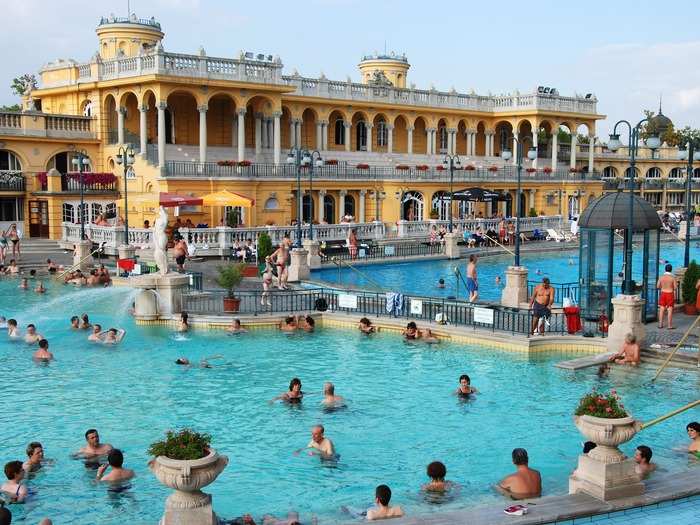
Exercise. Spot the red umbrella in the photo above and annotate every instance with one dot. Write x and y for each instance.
(170, 200)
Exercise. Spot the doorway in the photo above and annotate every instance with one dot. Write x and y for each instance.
(39, 219)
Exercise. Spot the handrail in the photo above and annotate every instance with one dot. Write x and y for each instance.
(678, 345)
(98, 250)
(340, 262)
(498, 243)
(670, 414)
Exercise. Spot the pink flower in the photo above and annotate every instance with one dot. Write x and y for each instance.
(608, 410)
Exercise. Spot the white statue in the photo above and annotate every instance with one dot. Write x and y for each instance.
(160, 241)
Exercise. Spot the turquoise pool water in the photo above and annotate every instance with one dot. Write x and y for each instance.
(401, 416)
(421, 277)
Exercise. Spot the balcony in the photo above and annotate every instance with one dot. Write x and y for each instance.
(12, 181)
(344, 172)
(92, 182)
(33, 124)
(653, 184)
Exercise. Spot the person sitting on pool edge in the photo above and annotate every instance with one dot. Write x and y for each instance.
(115, 460)
(465, 389)
(382, 510)
(365, 326)
(13, 487)
(412, 333)
(642, 457)
(294, 395)
(93, 446)
(524, 482)
(629, 355)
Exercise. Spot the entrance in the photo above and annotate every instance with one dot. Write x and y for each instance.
(39, 219)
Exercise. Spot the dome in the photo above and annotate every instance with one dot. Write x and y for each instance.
(661, 122)
(611, 212)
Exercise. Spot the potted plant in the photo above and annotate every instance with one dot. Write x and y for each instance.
(229, 279)
(547, 169)
(434, 214)
(532, 212)
(531, 170)
(362, 166)
(422, 167)
(264, 250)
(245, 163)
(573, 170)
(470, 167)
(185, 462)
(688, 291)
(493, 169)
(402, 167)
(602, 418)
(440, 167)
(331, 162)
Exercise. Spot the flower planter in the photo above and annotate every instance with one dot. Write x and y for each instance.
(231, 304)
(186, 478)
(607, 434)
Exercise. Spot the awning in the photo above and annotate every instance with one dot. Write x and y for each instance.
(478, 195)
(227, 198)
(167, 200)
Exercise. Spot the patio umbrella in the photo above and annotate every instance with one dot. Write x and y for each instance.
(476, 195)
(227, 198)
(167, 200)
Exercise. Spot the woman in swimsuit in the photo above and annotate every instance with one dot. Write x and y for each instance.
(280, 257)
(267, 282)
(13, 486)
(465, 389)
(13, 235)
(294, 395)
(694, 434)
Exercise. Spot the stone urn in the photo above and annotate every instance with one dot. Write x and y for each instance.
(607, 434)
(188, 504)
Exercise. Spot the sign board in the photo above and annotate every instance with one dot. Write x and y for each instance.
(483, 315)
(347, 301)
(416, 306)
(388, 250)
(130, 173)
(362, 253)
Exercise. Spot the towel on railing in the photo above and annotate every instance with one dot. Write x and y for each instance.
(394, 303)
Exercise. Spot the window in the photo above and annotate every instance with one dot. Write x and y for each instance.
(361, 132)
(87, 110)
(609, 172)
(68, 212)
(653, 198)
(329, 209)
(653, 173)
(349, 205)
(340, 132)
(9, 161)
(443, 139)
(10, 209)
(272, 204)
(111, 210)
(441, 203)
(676, 198)
(676, 173)
(382, 133)
(95, 209)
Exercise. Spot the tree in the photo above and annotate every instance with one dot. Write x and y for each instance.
(688, 134)
(669, 136)
(24, 85)
(15, 108)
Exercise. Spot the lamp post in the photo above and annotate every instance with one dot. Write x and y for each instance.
(299, 158)
(660, 123)
(125, 157)
(80, 160)
(688, 153)
(312, 159)
(506, 155)
(453, 162)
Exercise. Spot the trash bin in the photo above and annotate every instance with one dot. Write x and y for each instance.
(573, 319)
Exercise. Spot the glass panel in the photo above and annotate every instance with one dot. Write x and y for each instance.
(594, 272)
(651, 254)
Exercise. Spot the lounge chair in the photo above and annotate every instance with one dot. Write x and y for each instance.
(553, 235)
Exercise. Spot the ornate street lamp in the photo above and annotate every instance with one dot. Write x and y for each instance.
(689, 154)
(302, 158)
(453, 162)
(506, 155)
(80, 161)
(125, 157)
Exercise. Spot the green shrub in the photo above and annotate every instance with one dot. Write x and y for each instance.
(230, 277)
(688, 290)
(184, 444)
(264, 247)
(532, 212)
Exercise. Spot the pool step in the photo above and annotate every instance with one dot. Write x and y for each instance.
(586, 361)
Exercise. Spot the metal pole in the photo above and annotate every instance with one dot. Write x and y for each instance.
(628, 285)
(82, 196)
(311, 196)
(300, 208)
(452, 173)
(126, 201)
(689, 174)
(518, 205)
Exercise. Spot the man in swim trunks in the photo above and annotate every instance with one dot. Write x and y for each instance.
(667, 296)
(629, 355)
(541, 302)
(280, 256)
(320, 442)
(43, 353)
(93, 446)
(382, 510)
(115, 460)
(32, 337)
(329, 397)
(472, 284)
(180, 253)
(524, 482)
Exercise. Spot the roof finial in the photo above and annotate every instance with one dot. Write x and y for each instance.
(660, 99)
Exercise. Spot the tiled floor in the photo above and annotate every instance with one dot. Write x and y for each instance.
(684, 511)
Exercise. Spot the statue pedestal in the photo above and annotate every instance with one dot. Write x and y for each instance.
(314, 259)
(452, 245)
(126, 251)
(606, 481)
(627, 319)
(82, 260)
(299, 268)
(160, 296)
(515, 291)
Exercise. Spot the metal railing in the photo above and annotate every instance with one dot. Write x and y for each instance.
(382, 251)
(561, 291)
(12, 181)
(70, 182)
(413, 308)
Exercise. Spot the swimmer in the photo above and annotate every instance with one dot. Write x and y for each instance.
(436, 472)
(629, 355)
(32, 337)
(319, 443)
(96, 333)
(329, 397)
(115, 460)
(366, 327)
(32, 273)
(693, 430)
(498, 280)
(12, 330)
(43, 353)
(307, 324)
(24, 284)
(382, 509)
(51, 266)
(35, 455)
(93, 446)
(113, 336)
(441, 283)
(85, 322)
(465, 389)
(603, 371)
(412, 333)
(12, 269)
(40, 287)
(571, 261)
(642, 457)
(186, 362)
(235, 328)
(289, 324)
(294, 395)
(538, 271)
(75, 323)
(13, 487)
(3, 322)
(524, 482)
(183, 325)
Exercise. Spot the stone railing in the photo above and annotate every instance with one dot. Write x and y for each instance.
(176, 64)
(34, 124)
(527, 224)
(324, 88)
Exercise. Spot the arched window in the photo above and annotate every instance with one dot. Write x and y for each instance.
(9, 161)
(696, 173)
(68, 212)
(466, 209)
(329, 209)
(441, 203)
(361, 136)
(609, 172)
(349, 205)
(340, 132)
(307, 208)
(443, 139)
(503, 139)
(412, 206)
(63, 162)
(676, 173)
(272, 204)
(629, 172)
(382, 133)
(653, 173)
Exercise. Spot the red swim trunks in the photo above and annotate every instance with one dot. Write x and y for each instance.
(667, 299)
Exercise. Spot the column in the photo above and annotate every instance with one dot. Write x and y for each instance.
(234, 132)
(319, 208)
(258, 135)
(572, 162)
(264, 136)
(492, 150)
(555, 149)
(297, 139)
(369, 127)
(292, 133)
(409, 139)
(161, 134)
(120, 125)
(428, 141)
(532, 200)
(591, 147)
(515, 149)
(240, 125)
(319, 135)
(143, 129)
(202, 133)
(341, 204)
(468, 135)
(276, 140)
(390, 139)
(536, 146)
(325, 136)
(347, 126)
(361, 215)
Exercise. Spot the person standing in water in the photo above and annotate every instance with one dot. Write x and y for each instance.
(472, 284)
(667, 296)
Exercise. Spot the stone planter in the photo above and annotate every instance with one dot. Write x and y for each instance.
(188, 504)
(607, 434)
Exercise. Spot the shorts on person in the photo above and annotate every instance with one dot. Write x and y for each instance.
(541, 310)
(667, 299)
(180, 260)
(472, 285)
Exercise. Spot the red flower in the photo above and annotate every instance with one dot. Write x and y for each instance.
(608, 410)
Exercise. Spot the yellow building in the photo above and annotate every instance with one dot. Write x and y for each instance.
(200, 124)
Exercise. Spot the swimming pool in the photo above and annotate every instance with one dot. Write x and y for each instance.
(421, 277)
(401, 413)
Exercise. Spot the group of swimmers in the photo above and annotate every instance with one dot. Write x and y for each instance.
(96, 277)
